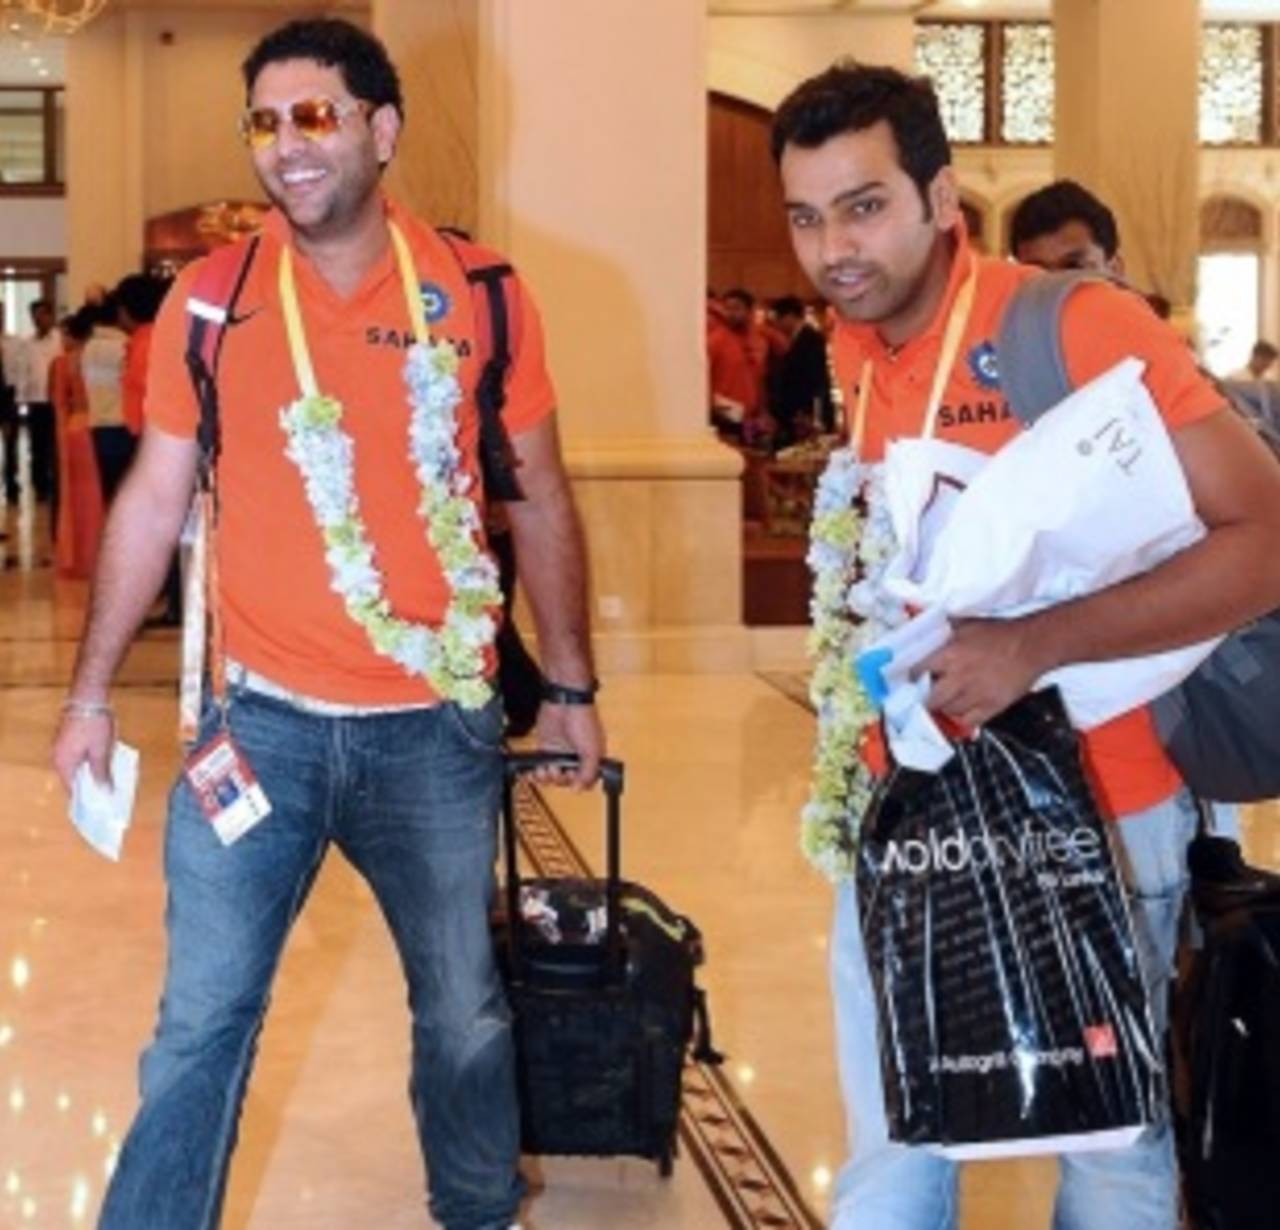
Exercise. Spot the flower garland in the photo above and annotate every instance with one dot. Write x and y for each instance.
(452, 658)
(851, 543)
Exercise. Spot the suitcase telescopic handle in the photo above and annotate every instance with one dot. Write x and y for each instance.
(612, 777)
(517, 764)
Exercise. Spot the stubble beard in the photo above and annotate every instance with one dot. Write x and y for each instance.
(340, 210)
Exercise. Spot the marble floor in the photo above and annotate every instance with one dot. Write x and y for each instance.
(717, 772)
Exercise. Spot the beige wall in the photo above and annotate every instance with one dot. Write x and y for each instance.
(760, 59)
(1127, 125)
(104, 203)
(435, 49)
(593, 179)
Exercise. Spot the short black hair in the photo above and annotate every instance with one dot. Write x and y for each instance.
(106, 313)
(362, 60)
(788, 305)
(141, 294)
(79, 325)
(37, 304)
(745, 297)
(1050, 208)
(851, 97)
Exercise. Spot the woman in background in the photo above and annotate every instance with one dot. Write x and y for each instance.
(80, 511)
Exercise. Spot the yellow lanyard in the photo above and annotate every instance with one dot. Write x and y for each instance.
(293, 310)
(203, 626)
(951, 338)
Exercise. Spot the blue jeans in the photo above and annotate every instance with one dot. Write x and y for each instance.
(888, 1186)
(411, 799)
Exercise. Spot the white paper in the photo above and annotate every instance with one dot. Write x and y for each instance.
(101, 813)
(923, 480)
(914, 737)
(1091, 495)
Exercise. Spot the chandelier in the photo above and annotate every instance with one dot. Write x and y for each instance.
(33, 18)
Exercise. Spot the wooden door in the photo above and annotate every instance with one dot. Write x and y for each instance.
(747, 239)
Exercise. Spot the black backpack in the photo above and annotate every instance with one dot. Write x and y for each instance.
(1221, 725)
(1226, 1021)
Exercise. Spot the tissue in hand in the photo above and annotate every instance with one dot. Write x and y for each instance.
(100, 812)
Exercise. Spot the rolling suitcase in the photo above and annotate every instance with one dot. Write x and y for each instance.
(600, 977)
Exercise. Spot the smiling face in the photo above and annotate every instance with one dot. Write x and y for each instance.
(322, 186)
(861, 231)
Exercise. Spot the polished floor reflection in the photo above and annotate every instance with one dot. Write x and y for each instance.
(717, 773)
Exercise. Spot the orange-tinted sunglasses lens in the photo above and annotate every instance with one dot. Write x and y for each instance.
(313, 118)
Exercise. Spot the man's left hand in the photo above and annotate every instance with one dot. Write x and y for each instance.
(985, 666)
(576, 729)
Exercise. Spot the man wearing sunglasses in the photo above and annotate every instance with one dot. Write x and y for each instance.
(352, 614)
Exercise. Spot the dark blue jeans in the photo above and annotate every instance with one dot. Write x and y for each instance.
(411, 799)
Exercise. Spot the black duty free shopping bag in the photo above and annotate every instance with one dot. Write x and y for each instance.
(1012, 1015)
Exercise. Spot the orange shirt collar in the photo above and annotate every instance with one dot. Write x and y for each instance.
(275, 227)
(868, 337)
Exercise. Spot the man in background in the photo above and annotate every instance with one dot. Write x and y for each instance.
(11, 365)
(799, 382)
(1064, 226)
(39, 351)
(1262, 359)
(736, 360)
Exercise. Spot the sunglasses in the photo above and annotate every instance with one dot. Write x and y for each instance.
(312, 118)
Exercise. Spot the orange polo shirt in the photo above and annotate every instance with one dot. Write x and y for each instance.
(1100, 326)
(735, 366)
(282, 616)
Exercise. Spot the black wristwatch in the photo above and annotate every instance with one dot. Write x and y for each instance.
(559, 694)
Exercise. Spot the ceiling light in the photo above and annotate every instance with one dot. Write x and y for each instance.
(50, 16)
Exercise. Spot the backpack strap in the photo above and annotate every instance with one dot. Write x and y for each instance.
(210, 307)
(496, 308)
(1029, 358)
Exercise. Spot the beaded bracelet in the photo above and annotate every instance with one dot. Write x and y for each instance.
(87, 708)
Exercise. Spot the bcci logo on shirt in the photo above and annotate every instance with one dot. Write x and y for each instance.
(436, 303)
(984, 366)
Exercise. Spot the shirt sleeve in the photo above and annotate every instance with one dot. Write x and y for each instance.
(29, 386)
(1101, 325)
(531, 396)
(170, 401)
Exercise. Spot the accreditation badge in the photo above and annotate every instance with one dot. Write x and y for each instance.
(226, 788)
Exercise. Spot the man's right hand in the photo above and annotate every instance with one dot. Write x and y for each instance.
(83, 738)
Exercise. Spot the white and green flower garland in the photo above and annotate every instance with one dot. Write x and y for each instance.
(452, 658)
(851, 543)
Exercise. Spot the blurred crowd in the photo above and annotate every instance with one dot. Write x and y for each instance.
(76, 386)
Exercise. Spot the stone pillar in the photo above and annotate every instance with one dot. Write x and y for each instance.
(105, 150)
(1127, 128)
(590, 173)
(434, 47)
